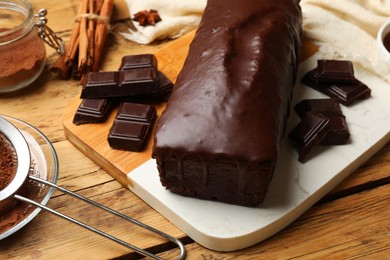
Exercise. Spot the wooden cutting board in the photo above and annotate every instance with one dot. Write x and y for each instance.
(91, 139)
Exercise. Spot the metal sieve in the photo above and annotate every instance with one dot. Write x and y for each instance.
(24, 160)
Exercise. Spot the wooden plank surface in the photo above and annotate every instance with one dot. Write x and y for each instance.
(352, 223)
(361, 231)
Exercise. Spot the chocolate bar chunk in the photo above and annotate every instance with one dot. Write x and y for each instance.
(138, 81)
(335, 71)
(311, 79)
(346, 94)
(309, 132)
(163, 94)
(132, 127)
(338, 133)
(325, 106)
(165, 88)
(92, 111)
(120, 84)
(145, 61)
(165, 84)
(330, 108)
(106, 79)
(138, 61)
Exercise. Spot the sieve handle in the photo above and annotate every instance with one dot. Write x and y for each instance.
(137, 249)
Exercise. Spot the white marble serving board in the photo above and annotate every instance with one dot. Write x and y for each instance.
(295, 187)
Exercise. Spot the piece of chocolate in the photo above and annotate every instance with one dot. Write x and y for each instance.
(106, 79)
(92, 111)
(325, 106)
(335, 71)
(120, 84)
(138, 81)
(165, 88)
(100, 84)
(330, 108)
(163, 94)
(309, 132)
(338, 133)
(131, 127)
(138, 61)
(165, 84)
(346, 94)
(311, 79)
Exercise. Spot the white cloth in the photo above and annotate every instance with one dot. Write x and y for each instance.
(343, 29)
(347, 29)
(178, 17)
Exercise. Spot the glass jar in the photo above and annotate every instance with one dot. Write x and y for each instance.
(22, 52)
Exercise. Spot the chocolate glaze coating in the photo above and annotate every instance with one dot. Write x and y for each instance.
(232, 97)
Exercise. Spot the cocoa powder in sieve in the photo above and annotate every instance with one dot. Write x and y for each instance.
(8, 162)
(13, 211)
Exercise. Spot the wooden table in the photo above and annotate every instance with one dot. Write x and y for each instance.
(352, 221)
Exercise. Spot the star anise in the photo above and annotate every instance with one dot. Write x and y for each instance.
(146, 17)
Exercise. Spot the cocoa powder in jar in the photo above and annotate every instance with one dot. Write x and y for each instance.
(22, 52)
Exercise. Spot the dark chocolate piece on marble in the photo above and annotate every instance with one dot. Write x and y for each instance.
(92, 111)
(311, 79)
(330, 108)
(338, 133)
(325, 106)
(309, 132)
(138, 61)
(335, 71)
(132, 126)
(348, 94)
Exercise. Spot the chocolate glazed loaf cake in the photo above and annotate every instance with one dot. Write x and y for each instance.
(220, 134)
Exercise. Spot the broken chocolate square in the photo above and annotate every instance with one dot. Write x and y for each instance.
(92, 111)
(131, 127)
(330, 108)
(335, 71)
(132, 82)
(338, 133)
(346, 94)
(309, 132)
(325, 106)
(138, 61)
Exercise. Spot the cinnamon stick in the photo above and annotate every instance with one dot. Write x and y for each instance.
(89, 31)
(83, 38)
(74, 39)
(102, 28)
(60, 67)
